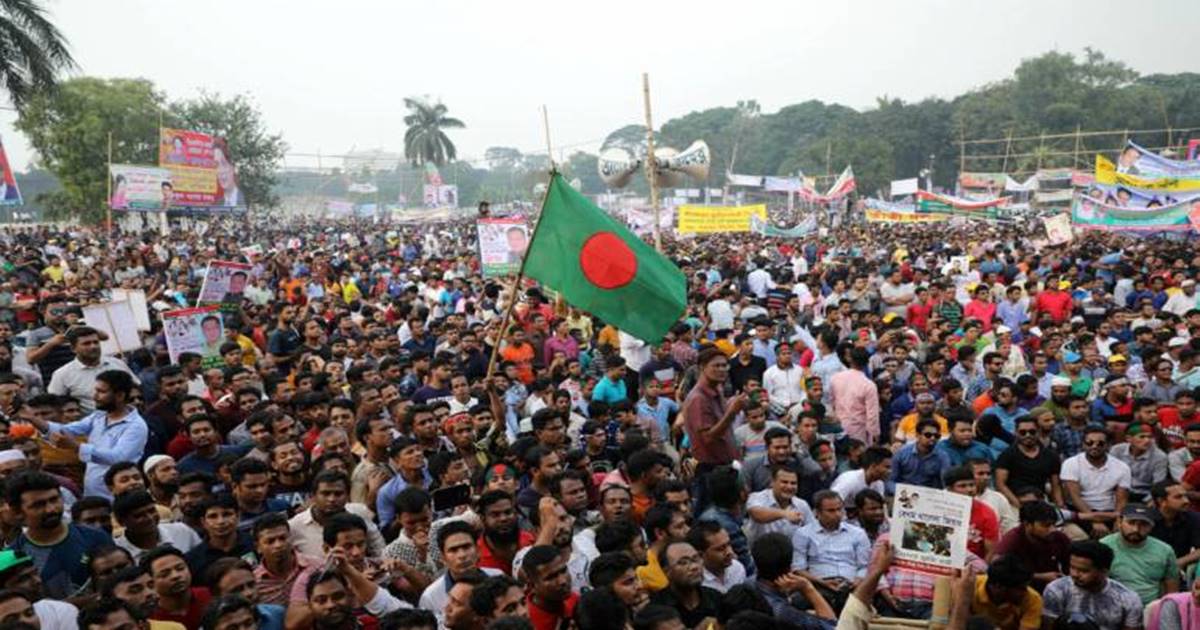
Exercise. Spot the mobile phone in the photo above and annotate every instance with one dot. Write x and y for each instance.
(451, 497)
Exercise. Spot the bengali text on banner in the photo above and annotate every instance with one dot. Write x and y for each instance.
(1107, 173)
(713, 219)
(1092, 214)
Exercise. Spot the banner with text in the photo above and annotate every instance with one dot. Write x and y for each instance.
(946, 204)
(139, 187)
(904, 187)
(982, 180)
(842, 186)
(199, 330)
(224, 283)
(1136, 160)
(715, 219)
(1058, 228)
(930, 529)
(764, 227)
(202, 175)
(502, 245)
(1091, 214)
(1107, 173)
(749, 181)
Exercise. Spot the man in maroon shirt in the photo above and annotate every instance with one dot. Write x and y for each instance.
(708, 420)
(178, 600)
(1044, 549)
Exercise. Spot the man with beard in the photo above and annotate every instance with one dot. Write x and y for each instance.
(285, 341)
(1067, 436)
(571, 490)
(615, 504)
(501, 538)
(77, 379)
(1096, 485)
(722, 570)
(137, 513)
(312, 408)
(1088, 591)
(289, 463)
(456, 540)
(221, 536)
(55, 545)
(178, 600)
(194, 489)
(329, 600)
(202, 431)
(1146, 565)
(616, 571)
(330, 492)
(17, 574)
(1042, 548)
(164, 479)
(162, 416)
(543, 465)
(134, 586)
(1114, 409)
(556, 528)
(550, 599)
(1028, 464)
(500, 596)
(115, 431)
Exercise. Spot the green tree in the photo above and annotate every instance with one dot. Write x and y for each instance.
(425, 141)
(68, 129)
(256, 153)
(32, 50)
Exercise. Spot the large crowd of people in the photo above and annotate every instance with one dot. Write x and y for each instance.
(380, 443)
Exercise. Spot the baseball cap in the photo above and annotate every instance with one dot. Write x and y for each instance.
(10, 559)
(1137, 512)
(1072, 357)
(1118, 358)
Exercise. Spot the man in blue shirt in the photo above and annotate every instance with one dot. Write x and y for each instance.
(611, 388)
(961, 446)
(920, 463)
(115, 431)
(202, 431)
(408, 460)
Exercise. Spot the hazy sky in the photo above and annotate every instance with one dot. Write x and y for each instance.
(331, 75)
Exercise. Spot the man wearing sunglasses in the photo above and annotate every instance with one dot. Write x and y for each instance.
(1096, 485)
(919, 463)
(1028, 464)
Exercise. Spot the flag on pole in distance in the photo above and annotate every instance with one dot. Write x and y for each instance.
(601, 267)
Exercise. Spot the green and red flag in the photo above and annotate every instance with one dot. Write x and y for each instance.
(601, 267)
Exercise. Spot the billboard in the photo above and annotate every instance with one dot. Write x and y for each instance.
(201, 171)
(140, 187)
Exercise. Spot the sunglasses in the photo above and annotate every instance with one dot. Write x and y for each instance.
(1027, 432)
(929, 435)
(1094, 443)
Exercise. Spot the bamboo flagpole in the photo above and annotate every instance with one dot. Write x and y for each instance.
(651, 163)
(516, 285)
(108, 197)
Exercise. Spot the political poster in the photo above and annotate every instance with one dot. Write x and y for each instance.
(137, 302)
(994, 181)
(502, 245)
(201, 171)
(717, 219)
(1058, 228)
(140, 187)
(930, 529)
(947, 204)
(1091, 214)
(1136, 160)
(763, 227)
(782, 184)
(224, 283)
(887, 216)
(10, 194)
(1107, 173)
(441, 196)
(200, 330)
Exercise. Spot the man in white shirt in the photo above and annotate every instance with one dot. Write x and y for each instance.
(722, 569)
(77, 378)
(782, 382)
(759, 281)
(720, 311)
(875, 466)
(331, 490)
(777, 509)
(895, 294)
(1096, 485)
(456, 540)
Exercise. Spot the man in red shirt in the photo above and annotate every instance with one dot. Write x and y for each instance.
(1174, 420)
(917, 313)
(178, 600)
(708, 421)
(985, 527)
(1054, 300)
(501, 539)
(550, 598)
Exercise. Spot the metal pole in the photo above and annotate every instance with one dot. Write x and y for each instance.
(108, 196)
(651, 163)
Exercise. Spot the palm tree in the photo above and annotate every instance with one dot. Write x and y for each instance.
(32, 50)
(425, 141)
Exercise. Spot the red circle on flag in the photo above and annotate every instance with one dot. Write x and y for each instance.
(607, 261)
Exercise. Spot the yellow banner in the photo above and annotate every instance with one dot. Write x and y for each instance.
(884, 216)
(713, 219)
(1106, 173)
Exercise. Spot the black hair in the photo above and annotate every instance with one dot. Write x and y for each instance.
(248, 466)
(608, 567)
(724, 488)
(537, 557)
(1008, 571)
(743, 598)
(698, 535)
(412, 500)
(772, 554)
(224, 605)
(120, 381)
(489, 498)
(128, 574)
(320, 577)
(616, 536)
(408, 619)
(339, 523)
(127, 502)
(483, 596)
(97, 614)
(1099, 554)
(601, 609)
(28, 481)
(957, 474)
(451, 528)
(147, 559)
(651, 615)
(88, 503)
(867, 494)
(270, 520)
(658, 517)
(1037, 512)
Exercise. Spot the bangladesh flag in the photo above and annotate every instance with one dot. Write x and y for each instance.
(603, 268)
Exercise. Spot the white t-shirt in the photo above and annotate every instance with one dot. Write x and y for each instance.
(177, 535)
(1098, 486)
(851, 482)
(766, 498)
(56, 615)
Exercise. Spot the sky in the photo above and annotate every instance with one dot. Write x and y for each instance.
(331, 77)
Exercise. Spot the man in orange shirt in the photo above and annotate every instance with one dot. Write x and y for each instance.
(646, 468)
(520, 352)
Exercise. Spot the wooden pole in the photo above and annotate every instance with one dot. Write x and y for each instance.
(108, 197)
(962, 150)
(1075, 153)
(1007, 148)
(651, 163)
(1041, 147)
(516, 285)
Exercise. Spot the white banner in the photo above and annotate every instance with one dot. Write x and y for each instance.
(905, 186)
(783, 184)
(752, 181)
(1013, 185)
(929, 529)
(364, 189)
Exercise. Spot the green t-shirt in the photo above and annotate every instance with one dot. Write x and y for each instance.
(1142, 569)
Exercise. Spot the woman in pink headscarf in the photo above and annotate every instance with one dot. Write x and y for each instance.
(1176, 611)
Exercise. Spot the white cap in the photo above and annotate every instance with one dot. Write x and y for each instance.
(1060, 381)
(1176, 342)
(1003, 330)
(155, 460)
(11, 455)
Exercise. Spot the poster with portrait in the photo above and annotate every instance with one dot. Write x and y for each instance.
(140, 187)
(224, 284)
(200, 330)
(440, 196)
(930, 529)
(502, 245)
(202, 171)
